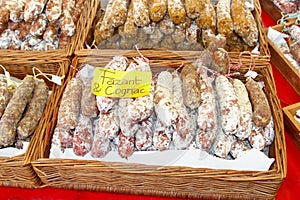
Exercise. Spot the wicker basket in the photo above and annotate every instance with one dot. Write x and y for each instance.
(14, 172)
(290, 124)
(159, 180)
(271, 9)
(84, 19)
(282, 64)
(264, 56)
(263, 45)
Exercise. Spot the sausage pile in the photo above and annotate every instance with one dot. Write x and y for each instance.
(291, 49)
(38, 24)
(21, 110)
(174, 24)
(287, 6)
(187, 108)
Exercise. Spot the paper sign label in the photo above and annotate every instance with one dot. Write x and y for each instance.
(56, 79)
(251, 74)
(121, 84)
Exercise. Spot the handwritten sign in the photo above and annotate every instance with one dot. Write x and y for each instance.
(121, 84)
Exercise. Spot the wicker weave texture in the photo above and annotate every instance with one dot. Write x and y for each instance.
(81, 26)
(14, 171)
(87, 24)
(157, 180)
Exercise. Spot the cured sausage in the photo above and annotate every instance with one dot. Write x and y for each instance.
(83, 136)
(245, 107)
(190, 87)
(34, 110)
(261, 109)
(228, 105)
(14, 111)
(163, 104)
(207, 119)
(4, 95)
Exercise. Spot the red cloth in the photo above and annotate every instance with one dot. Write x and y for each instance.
(287, 96)
(288, 190)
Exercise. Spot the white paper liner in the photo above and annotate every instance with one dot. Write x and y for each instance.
(13, 151)
(253, 160)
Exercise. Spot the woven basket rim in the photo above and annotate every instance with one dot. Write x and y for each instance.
(265, 53)
(80, 59)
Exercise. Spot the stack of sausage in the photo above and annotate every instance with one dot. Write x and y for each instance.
(288, 6)
(174, 24)
(38, 24)
(185, 109)
(291, 50)
(20, 110)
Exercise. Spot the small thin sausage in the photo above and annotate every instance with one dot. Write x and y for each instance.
(66, 23)
(53, 10)
(190, 87)
(228, 105)
(101, 144)
(88, 102)
(245, 118)
(207, 16)
(69, 109)
(83, 136)
(109, 124)
(143, 137)
(244, 23)
(163, 103)
(14, 111)
(261, 109)
(238, 149)
(39, 26)
(207, 119)
(157, 9)
(129, 29)
(105, 29)
(257, 137)
(176, 11)
(224, 21)
(119, 13)
(185, 125)
(34, 110)
(16, 9)
(3, 95)
(193, 8)
(141, 12)
(33, 8)
(162, 135)
(222, 145)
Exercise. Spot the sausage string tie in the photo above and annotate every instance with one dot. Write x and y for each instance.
(141, 55)
(54, 78)
(94, 45)
(239, 64)
(180, 67)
